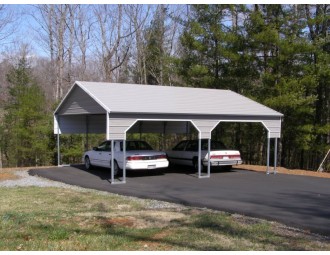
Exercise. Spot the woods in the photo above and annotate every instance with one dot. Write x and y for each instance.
(278, 55)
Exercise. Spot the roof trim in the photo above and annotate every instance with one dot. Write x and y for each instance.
(279, 115)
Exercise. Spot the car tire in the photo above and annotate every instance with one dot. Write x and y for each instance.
(116, 168)
(195, 160)
(88, 164)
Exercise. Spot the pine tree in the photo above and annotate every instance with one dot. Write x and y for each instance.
(203, 47)
(26, 125)
(282, 56)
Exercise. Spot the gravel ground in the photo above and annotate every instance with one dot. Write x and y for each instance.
(26, 180)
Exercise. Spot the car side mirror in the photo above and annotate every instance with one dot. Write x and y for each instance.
(94, 148)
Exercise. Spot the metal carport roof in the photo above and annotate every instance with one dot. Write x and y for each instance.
(114, 108)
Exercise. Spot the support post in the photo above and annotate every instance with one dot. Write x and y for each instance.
(58, 148)
(275, 156)
(209, 157)
(107, 128)
(199, 157)
(58, 142)
(200, 166)
(124, 161)
(112, 162)
(268, 152)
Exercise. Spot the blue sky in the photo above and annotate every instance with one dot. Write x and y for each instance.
(24, 26)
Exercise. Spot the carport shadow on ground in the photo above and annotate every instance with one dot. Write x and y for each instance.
(105, 173)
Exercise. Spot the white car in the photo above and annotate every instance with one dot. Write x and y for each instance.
(139, 155)
(186, 153)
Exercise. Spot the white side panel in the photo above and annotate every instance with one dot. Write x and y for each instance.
(274, 128)
(118, 127)
(205, 127)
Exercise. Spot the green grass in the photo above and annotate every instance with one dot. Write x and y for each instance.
(36, 218)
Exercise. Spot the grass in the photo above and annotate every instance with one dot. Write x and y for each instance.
(35, 218)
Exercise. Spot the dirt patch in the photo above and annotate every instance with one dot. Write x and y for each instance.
(283, 170)
(9, 173)
(7, 176)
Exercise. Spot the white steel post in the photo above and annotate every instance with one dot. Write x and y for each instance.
(58, 149)
(275, 156)
(58, 142)
(107, 127)
(199, 156)
(209, 157)
(112, 162)
(268, 152)
(124, 161)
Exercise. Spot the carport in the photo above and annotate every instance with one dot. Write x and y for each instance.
(115, 109)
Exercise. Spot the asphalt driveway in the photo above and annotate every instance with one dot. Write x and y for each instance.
(298, 201)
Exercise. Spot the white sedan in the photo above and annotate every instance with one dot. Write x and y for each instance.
(186, 153)
(139, 155)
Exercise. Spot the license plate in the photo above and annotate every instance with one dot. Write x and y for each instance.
(151, 166)
(225, 157)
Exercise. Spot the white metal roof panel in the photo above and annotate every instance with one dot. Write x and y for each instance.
(131, 98)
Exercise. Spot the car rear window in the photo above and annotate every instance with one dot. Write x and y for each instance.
(136, 145)
(215, 145)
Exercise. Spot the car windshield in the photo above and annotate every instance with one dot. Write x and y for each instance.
(136, 145)
(215, 145)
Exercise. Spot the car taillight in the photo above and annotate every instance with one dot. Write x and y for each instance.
(135, 158)
(216, 157)
(227, 156)
(146, 157)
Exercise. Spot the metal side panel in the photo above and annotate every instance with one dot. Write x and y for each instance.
(79, 102)
(205, 127)
(274, 128)
(118, 127)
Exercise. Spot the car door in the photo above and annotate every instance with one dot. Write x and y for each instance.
(176, 155)
(100, 154)
(94, 155)
(104, 155)
(190, 152)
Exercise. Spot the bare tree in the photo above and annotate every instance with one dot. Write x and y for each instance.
(7, 20)
(114, 32)
(56, 23)
(82, 32)
(138, 15)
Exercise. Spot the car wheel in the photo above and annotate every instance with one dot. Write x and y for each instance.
(88, 164)
(195, 164)
(116, 168)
